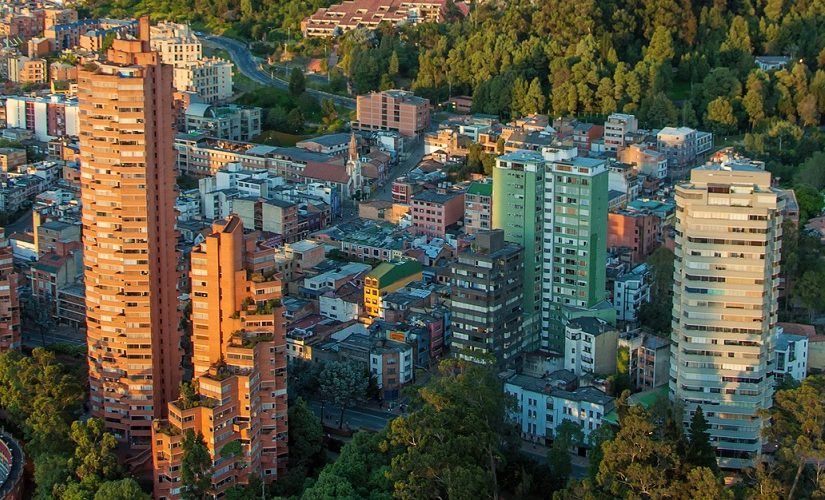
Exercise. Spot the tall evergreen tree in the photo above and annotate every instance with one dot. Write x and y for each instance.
(195, 467)
(700, 452)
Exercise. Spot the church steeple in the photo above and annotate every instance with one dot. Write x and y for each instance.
(353, 148)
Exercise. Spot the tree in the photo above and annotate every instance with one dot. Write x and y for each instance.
(660, 50)
(755, 96)
(295, 121)
(658, 111)
(393, 66)
(297, 82)
(635, 464)
(704, 485)
(811, 172)
(810, 202)
(798, 427)
(567, 436)
(359, 472)
(343, 382)
(50, 470)
(306, 436)
(700, 452)
(94, 459)
(597, 439)
(810, 291)
(449, 443)
(124, 489)
(808, 112)
(656, 314)
(720, 117)
(195, 467)
(533, 101)
(41, 397)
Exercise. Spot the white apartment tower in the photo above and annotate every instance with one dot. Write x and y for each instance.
(726, 279)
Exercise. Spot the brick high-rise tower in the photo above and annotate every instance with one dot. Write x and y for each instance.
(128, 194)
(238, 398)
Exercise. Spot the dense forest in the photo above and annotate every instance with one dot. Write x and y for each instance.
(668, 61)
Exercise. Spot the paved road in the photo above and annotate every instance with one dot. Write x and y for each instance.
(580, 465)
(249, 65)
(355, 418)
(33, 338)
(403, 167)
(21, 225)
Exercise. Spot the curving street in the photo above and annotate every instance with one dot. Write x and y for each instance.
(249, 66)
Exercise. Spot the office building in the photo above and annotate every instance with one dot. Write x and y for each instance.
(239, 361)
(728, 242)
(398, 110)
(127, 169)
(485, 298)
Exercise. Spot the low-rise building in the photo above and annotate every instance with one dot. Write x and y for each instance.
(46, 117)
(11, 159)
(791, 352)
(11, 336)
(630, 291)
(478, 207)
(683, 146)
(344, 304)
(647, 161)
(330, 144)
(232, 122)
(639, 231)
(649, 360)
(210, 78)
(542, 404)
(617, 129)
(590, 346)
(397, 110)
(25, 70)
(434, 210)
(339, 18)
(385, 278)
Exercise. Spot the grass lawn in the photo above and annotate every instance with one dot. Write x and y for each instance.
(242, 83)
(282, 139)
(723, 141)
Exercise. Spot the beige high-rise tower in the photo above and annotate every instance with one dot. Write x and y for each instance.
(728, 234)
(128, 194)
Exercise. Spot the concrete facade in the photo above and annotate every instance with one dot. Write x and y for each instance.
(726, 281)
(485, 298)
